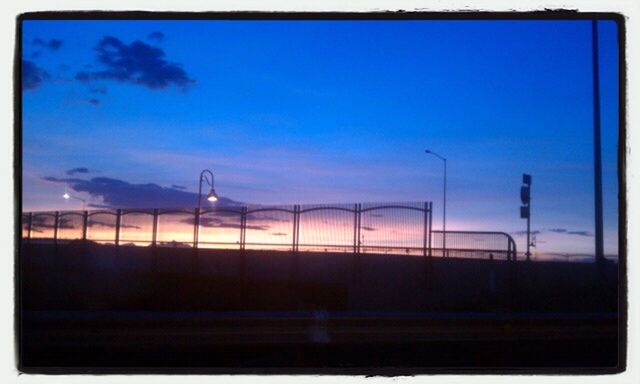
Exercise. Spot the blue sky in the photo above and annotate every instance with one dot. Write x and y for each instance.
(328, 111)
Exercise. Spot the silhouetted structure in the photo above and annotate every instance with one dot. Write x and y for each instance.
(391, 228)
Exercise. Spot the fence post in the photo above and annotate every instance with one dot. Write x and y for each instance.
(359, 226)
(85, 220)
(424, 229)
(29, 227)
(430, 226)
(296, 223)
(155, 227)
(118, 218)
(196, 227)
(243, 226)
(55, 228)
(355, 228)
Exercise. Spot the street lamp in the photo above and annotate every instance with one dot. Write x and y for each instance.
(444, 209)
(212, 196)
(67, 196)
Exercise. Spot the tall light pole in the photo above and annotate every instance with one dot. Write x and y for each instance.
(67, 196)
(212, 196)
(444, 205)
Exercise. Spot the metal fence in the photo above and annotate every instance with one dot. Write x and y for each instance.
(391, 228)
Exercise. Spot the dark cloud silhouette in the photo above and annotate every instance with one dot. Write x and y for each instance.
(137, 63)
(94, 223)
(94, 102)
(157, 36)
(520, 233)
(38, 222)
(580, 233)
(568, 232)
(214, 222)
(52, 45)
(117, 193)
(263, 216)
(32, 76)
(368, 228)
(73, 171)
(557, 230)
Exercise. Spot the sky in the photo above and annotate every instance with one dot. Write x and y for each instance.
(127, 114)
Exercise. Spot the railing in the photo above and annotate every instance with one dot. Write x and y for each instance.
(354, 228)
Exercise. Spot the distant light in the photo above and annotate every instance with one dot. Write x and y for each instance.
(66, 196)
(212, 196)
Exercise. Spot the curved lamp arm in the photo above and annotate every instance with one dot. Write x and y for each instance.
(207, 175)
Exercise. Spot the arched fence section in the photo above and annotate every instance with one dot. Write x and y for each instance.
(101, 226)
(391, 228)
(43, 225)
(395, 228)
(322, 228)
(270, 228)
(137, 227)
(175, 228)
(71, 226)
(220, 228)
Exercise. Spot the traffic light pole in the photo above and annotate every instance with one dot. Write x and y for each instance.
(525, 210)
(529, 231)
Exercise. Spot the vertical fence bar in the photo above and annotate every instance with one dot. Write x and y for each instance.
(359, 226)
(298, 231)
(296, 226)
(430, 227)
(85, 222)
(118, 219)
(243, 227)
(355, 228)
(196, 227)
(55, 228)
(424, 229)
(154, 235)
(29, 227)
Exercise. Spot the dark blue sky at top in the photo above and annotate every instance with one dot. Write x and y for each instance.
(327, 111)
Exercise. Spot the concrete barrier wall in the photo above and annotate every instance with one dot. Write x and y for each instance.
(86, 275)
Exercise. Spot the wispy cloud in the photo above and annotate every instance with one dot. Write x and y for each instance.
(561, 231)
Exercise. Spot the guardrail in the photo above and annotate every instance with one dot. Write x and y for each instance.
(390, 228)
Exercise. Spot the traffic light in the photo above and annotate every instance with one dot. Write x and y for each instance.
(525, 209)
(525, 194)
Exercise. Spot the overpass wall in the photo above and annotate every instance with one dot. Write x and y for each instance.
(83, 275)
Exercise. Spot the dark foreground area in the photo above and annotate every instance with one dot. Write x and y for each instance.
(93, 308)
